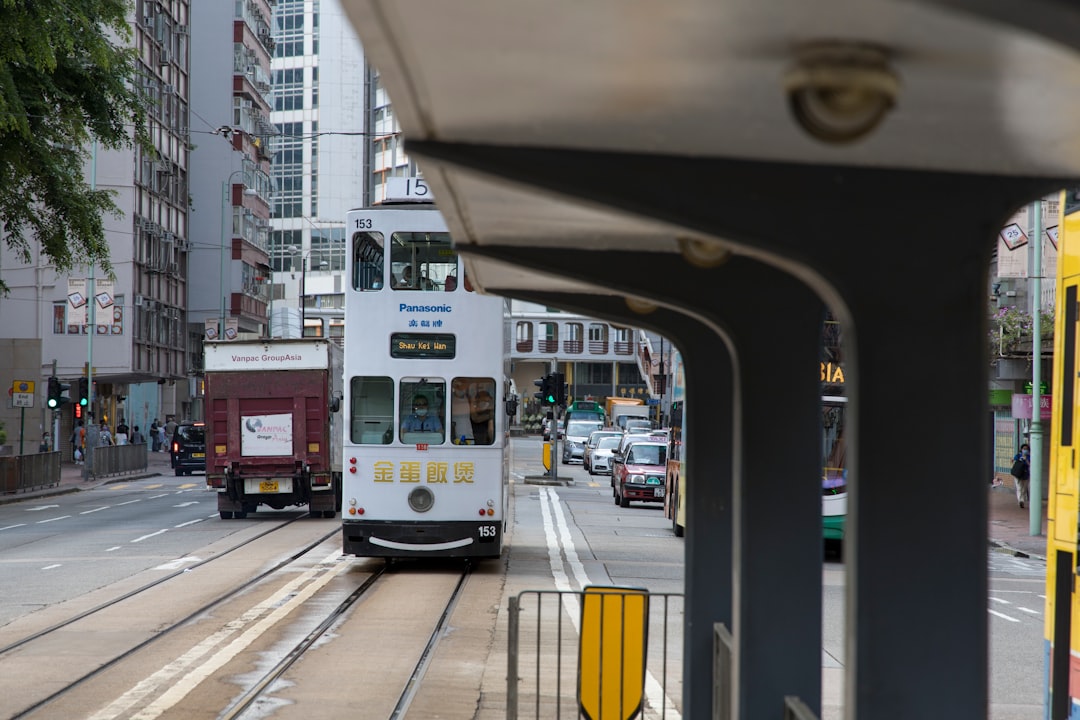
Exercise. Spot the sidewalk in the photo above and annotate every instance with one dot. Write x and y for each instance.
(1010, 529)
(71, 479)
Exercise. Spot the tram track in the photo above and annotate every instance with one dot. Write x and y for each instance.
(13, 650)
(337, 618)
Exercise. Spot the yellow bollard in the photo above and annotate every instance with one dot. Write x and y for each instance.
(547, 456)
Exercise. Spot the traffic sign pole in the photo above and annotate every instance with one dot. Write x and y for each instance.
(22, 428)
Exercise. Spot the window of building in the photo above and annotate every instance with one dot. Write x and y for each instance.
(288, 167)
(280, 242)
(524, 336)
(598, 338)
(289, 28)
(549, 337)
(575, 331)
(629, 374)
(289, 89)
(328, 245)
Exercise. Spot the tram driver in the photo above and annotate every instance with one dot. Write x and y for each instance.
(421, 420)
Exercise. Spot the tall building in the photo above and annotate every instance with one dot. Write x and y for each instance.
(135, 343)
(319, 77)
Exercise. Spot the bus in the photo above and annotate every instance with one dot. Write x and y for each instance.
(833, 444)
(1062, 618)
(427, 380)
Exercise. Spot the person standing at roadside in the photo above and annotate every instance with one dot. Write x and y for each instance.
(1021, 472)
(170, 428)
(136, 436)
(78, 442)
(155, 444)
(163, 442)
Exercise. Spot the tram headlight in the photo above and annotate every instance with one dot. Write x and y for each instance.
(421, 499)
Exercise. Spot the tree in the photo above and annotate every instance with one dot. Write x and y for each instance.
(67, 81)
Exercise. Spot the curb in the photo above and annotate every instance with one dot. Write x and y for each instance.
(59, 489)
(1003, 547)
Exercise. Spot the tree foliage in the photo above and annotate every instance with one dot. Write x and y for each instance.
(67, 83)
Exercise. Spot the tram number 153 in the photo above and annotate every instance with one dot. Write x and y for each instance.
(488, 533)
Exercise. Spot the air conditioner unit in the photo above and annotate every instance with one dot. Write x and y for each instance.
(168, 89)
(139, 301)
(164, 57)
(171, 268)
(181, 29)
(148, 21)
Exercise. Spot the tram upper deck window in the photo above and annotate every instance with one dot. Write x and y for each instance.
(423, 411)
(367, 261)
(422, 261)
(371, 410)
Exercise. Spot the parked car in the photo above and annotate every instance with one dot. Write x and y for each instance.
(187, 449)
(577, 432)
(599, 457)
(591, 443)
(640, 473)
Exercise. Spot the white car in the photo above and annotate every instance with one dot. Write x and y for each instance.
(600, 456)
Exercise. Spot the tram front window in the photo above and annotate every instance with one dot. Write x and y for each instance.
(371, 405)
(422, 411)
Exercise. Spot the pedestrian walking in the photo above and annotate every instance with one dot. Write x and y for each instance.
(78, 443)
(122, 432)
(1021, 472)
(104, 436)
(163, 441)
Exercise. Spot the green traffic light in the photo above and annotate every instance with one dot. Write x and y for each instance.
(52, 402)
(82, 401)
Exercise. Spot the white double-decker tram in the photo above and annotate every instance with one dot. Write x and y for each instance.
(426, 368)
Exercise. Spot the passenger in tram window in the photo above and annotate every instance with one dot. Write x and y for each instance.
(483, 417)
(405, 282)
(451, 284)
(461, 428)
(421, 419)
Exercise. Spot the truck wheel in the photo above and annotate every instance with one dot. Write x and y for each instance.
(225, 515)
(330, 514)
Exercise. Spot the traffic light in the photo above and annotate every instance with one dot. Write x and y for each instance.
(559, 389)
(56, 393)
(546, 396)
(84, 391)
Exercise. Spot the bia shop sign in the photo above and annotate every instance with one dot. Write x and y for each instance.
(1021, 406)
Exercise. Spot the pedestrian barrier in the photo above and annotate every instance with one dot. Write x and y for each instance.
(116, 460)
(19, 473)
(599, 653)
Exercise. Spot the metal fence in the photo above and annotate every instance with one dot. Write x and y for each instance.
(117, 459)
(601, 652)
(19, 473)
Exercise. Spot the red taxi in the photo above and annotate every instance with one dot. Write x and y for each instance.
(639, 474)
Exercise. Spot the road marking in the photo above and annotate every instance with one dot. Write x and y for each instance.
(129, 502)
(118, 487)
(51, 567)
(114, 547)
(154, 486)
(41, 507)
(62, 517)
(103, 507)
(9, 527)
(257, 621)
(1003, 616)
(174, 564)
(1029, 610)
(654, 691)
(187, 486)
(189, 522)
(153, 534)
(1001, 600)
(155, 497)
(187, 504)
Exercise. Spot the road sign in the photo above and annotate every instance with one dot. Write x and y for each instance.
(22, 400)
(23, 386)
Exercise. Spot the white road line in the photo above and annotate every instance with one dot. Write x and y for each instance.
(254, 623)
(155, 497)
(174, 564)
(1003, 616)
(41, 507)
(9, 527)
(114, 547)
(62, 517)
(128, 502)
(103, 507)
(187, 504)
(1029, 611)
(654, 691)
(51, 567)
(144, 537)
(189, 522)
(1000, 600)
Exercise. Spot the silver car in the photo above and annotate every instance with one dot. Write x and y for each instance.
(600, 456)
(574, 437)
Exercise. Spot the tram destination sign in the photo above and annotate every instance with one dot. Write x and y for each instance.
(423, 345)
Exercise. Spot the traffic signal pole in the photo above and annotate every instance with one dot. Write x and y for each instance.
(88, 417)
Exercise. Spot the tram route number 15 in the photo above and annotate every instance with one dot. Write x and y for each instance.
(407, 188)
(489, 532)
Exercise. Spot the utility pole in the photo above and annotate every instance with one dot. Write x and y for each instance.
(91, 329)
(1036, 438)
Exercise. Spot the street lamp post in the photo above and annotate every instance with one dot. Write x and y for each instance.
(304, 258)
